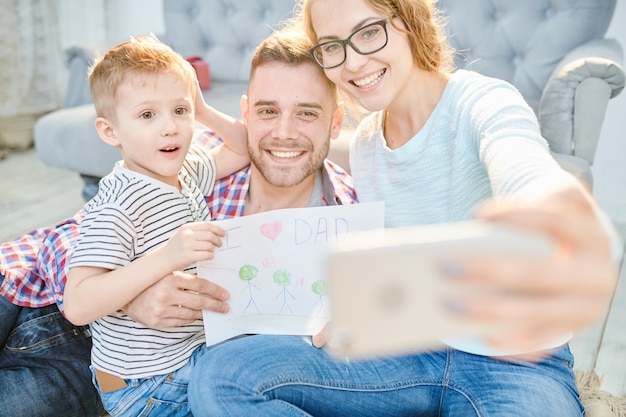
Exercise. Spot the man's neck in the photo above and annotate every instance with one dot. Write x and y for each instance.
(263, 196)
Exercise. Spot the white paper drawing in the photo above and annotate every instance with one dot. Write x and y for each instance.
(272, 265)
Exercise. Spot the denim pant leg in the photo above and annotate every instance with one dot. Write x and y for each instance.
(286, 376)
(44, 367)
(8, 316)
(162, 395)
(483, 386)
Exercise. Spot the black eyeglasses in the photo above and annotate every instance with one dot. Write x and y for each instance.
(366, 40)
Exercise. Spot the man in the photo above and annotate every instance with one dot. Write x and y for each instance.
(291, 113)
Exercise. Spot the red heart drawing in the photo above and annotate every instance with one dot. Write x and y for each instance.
(271, 230)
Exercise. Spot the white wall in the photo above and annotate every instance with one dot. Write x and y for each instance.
(107, 22)
(136, 17)
(100, 24)
(610, 163)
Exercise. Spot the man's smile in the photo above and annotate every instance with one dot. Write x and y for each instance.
(286, 154)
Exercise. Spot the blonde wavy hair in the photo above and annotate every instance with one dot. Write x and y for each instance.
(423, 25)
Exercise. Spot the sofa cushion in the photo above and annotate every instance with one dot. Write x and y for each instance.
(67, 138)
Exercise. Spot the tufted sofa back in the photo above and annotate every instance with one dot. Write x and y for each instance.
(224, 32)
(518, 41)
(522, 41)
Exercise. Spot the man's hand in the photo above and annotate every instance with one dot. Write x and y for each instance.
(320, 339)
(176, 300)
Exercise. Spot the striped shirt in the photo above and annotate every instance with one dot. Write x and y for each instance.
(131, 215)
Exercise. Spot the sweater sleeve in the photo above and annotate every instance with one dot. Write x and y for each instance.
(517, 157)
(510, 146)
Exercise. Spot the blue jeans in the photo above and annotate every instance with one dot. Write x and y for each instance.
(286, 376)
(163, 395)
(44, 364)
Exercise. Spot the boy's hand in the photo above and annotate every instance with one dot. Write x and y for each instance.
(193, 242)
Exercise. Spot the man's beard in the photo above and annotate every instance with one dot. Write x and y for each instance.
(288, 176)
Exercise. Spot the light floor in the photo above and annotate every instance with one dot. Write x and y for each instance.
(33, 195)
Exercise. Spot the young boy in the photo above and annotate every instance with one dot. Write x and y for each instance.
(148, 219)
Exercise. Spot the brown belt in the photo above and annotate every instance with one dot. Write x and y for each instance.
(108, 382)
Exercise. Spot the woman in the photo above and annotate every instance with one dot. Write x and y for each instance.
(438, 146)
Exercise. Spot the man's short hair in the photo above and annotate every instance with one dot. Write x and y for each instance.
(291, 47)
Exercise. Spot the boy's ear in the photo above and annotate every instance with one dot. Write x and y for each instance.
(106, 132)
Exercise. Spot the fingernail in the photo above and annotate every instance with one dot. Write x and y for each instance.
(455, 306)
(451, 269)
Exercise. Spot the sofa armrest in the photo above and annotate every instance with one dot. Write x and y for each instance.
(67, 139)
(573, 104)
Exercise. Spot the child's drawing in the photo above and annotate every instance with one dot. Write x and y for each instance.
(269, 262)
(247, 273)
(279, 249)
(271, 231)
(282, 278)
(320, 288)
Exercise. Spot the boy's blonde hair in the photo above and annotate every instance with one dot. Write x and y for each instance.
(141, 55)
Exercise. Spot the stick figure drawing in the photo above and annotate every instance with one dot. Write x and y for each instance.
(274, 265)
(320, 288)
(282, 278)
(247, 273)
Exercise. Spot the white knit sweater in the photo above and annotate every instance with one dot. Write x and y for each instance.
(481, 140)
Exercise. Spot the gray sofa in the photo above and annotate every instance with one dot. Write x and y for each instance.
(555, 53)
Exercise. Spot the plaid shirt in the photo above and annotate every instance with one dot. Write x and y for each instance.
(35, 265)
